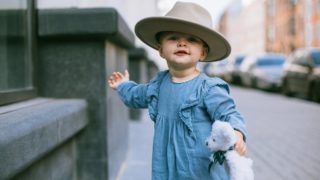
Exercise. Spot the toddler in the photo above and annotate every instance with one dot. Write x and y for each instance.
(183, 102)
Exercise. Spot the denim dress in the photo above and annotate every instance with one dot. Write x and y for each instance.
(183, 114)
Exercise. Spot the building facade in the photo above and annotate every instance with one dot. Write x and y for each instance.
(272, 26)
(284, 26)
(245, 27)
(312, 23)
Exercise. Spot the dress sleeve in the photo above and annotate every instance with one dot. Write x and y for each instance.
(133, 95)
(221, 106)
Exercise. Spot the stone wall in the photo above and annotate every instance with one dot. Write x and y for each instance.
(78, 127)
(79, 49)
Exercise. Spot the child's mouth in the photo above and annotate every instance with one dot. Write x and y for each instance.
(181, 52)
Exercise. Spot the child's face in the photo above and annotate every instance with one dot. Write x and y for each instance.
(181, 50)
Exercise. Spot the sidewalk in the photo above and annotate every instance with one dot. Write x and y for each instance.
(138, 163)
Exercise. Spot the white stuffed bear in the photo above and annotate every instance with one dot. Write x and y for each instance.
(222, 141)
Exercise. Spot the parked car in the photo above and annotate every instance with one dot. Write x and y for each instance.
(245, 70)
(268, 73)
(264, 70)
(216, 69)
(233, 69)
(315, 93)
(302, 74)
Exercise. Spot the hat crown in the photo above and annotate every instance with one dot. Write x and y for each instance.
(188, 18)
(191, 12)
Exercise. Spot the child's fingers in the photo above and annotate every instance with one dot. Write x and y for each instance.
(112, 84)
(240, 144)
(241, 148)
(126, 74)
(112, 76)
(118, 75)
(115, 77)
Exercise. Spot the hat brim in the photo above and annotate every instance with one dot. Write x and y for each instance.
(146, 30)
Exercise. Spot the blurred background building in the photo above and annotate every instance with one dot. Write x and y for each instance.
(271, 26)
(245, 27)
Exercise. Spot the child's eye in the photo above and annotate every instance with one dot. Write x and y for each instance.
(213, 139)
(192, 39)
(172, 38)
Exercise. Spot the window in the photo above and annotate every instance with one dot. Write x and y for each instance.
(308, 35)
(292, 25)
(271, 32)
(16, 50)
(271, 8)
(293, 2)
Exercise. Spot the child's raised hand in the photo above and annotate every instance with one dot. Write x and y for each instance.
(117, 78)
(241, 146)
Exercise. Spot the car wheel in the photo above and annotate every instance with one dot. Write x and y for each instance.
(285, 89)
(314, 93)
(254, 82)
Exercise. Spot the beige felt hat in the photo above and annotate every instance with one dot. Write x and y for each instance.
(187, 18)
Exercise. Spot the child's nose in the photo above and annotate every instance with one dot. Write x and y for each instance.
(182, 42)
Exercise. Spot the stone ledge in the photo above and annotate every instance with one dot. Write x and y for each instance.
(29, 132)
(89, 23)
(9, 30)
(138, 54)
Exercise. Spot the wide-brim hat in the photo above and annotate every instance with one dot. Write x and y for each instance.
(187, 18)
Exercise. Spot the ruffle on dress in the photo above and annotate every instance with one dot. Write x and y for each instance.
(185, 109)
(153, 94)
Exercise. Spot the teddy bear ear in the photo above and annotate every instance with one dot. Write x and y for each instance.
(226, 135)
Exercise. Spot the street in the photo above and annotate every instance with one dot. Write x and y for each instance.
(283, 137)
(283, 134)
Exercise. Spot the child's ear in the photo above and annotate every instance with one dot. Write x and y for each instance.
(204, 54)
(160, 50)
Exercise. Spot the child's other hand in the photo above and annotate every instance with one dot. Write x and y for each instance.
(241, 146)
(117, 78)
